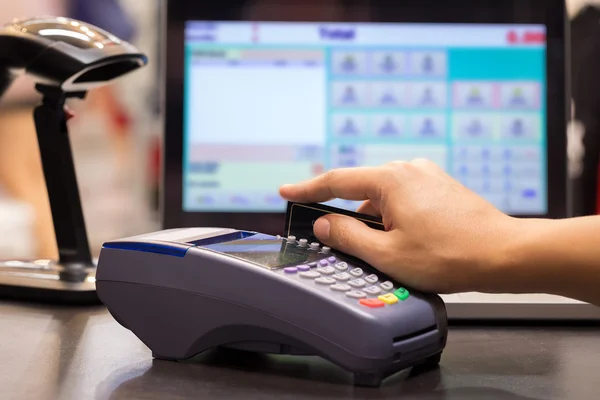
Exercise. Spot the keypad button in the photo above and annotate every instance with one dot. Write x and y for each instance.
(302, 242)
(356, 272)
(303, 268)
(310, 274)
(326, 249)
(371, 279)
(327, 270)
(323, 262)
(388, 298)
(372, 303)
(373, 290)
(357, 283)
(341, 266)
(291, 239)
(313, 264)
(340, 287)
(343, 276)
(291, 270)
(314, 246)
(325, 280)
(387, 285)
(355, 294)
(402, 294)
(332, 259)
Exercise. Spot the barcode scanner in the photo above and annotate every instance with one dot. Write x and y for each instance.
(67, 54)
(66, 58)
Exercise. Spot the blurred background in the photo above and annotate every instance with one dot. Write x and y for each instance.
(115, 138)
(116, 132)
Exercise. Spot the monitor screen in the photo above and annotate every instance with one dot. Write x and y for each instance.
(268, 103)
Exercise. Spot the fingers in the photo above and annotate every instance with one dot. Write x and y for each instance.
(363, 183)
(367, 207)
(352, 237)
(345, 183)
(425, 164)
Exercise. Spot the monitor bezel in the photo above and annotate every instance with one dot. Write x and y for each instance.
(551, 13)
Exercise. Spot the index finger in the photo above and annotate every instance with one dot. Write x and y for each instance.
(359, 183)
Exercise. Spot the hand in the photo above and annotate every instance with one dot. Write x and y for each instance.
(439, 236)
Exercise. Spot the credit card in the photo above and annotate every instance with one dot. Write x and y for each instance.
(300, 218)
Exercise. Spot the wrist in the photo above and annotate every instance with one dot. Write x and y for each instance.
(515, 261)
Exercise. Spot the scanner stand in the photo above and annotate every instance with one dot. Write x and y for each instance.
(71, 279)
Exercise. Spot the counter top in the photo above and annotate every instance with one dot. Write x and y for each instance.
(49, 352)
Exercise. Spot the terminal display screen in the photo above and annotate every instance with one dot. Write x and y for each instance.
(273, 103)
(267, 251)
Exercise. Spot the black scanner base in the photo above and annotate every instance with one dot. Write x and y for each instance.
(48, 283)
(84, 297)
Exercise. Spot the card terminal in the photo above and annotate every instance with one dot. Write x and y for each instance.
(185, 291)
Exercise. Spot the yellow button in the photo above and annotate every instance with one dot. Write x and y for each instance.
(388, 298)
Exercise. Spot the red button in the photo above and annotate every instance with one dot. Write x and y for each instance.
(373, 303)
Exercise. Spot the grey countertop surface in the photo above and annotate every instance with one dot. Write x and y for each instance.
(49, 352)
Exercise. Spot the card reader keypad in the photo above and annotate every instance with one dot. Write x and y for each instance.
(310, 274)
(341, 266)
(343, 276)
(357, 272)
(327, 270)
(356, 294)
(340, 287)
(372, 290)
(358, 283)
(354, 283)
(324, 280)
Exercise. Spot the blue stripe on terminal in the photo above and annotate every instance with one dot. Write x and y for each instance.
(157, 247)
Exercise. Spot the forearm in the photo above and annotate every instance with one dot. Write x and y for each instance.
(559, 257)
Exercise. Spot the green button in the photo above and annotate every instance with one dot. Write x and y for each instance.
(401, 293)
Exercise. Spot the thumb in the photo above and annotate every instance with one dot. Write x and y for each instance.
(350, 236)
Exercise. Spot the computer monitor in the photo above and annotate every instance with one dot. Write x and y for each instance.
(262, 93)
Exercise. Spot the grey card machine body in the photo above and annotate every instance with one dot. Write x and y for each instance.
(184, 291)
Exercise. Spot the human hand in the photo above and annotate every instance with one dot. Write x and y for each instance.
(439, 236)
